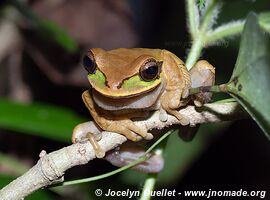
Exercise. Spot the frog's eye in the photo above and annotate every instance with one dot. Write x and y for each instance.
(89, 63)
(150, 70)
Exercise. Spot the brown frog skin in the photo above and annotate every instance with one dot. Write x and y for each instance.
(127, 84)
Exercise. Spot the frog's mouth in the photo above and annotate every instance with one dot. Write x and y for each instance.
(142, 101)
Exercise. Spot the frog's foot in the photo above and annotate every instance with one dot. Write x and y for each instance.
(201, 98)
(183, 120)
(89, 131)
(163, 115)
(198, 101)
(127, 128)
(93, 139)
(171, 107)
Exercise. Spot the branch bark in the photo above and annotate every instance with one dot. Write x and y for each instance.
(51, 167)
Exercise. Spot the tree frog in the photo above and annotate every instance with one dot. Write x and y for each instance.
(128, 84)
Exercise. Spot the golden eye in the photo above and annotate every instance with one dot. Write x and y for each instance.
(89, 63)
(150, 70)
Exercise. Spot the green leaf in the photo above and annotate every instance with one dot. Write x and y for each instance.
(40, 194)
(250, 81)
(38, 119)
(51, 30)
(264, 20)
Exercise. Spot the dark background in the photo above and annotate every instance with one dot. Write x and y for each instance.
(235, 156)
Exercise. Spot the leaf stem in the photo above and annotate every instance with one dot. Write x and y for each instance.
(148, 186)
(200, 39)
(193, 17)
(225, 31)
(85, 180)
(208, 17)
(195, 51)
(215, 88)
(152, 177)
(234, 28)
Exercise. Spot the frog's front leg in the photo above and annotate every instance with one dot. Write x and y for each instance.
(170, 102)
(177, 87)
(201, 74)
(118, 124)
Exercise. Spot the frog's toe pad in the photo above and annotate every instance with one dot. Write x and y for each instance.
(149, 136)
(100, 153)
(163, 116)
(92, 138)
(184, 121)
(198, 103)
(140, 132)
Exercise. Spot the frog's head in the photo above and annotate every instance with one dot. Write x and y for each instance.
(123, 73)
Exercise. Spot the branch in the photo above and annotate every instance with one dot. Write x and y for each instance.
(51, 167)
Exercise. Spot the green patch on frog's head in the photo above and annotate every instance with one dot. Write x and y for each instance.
(138, 82)
(132, 86)
(97, 79)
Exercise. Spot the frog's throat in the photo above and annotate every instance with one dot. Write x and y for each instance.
(143, 101)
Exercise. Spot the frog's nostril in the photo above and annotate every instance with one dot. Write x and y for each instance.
(113, 85)
(116, 86)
